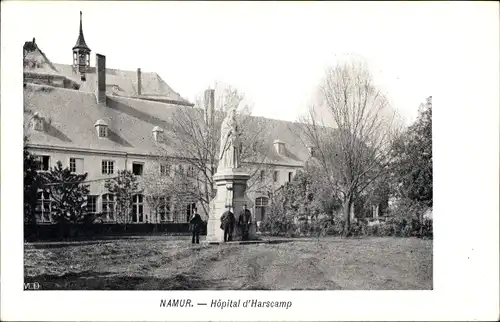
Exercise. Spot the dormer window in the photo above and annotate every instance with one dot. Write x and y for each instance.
(312, 151)
(279, 146)
(37, 122)
(157, 133)
(102, 128)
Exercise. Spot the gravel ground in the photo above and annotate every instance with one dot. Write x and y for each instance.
(157, 263)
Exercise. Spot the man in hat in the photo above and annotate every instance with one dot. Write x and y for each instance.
(196, 223)
(244, 222)
(227, 224)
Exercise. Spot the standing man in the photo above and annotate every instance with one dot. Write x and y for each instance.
(227, 224)
(195, 223)
(244, 222)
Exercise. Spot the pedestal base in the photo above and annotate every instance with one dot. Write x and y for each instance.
(231, 190)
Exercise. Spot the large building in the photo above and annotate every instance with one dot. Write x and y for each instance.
(98, 121)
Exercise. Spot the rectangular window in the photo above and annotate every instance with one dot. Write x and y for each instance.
(76, 165)
(262, 175)
(43, 207)
(290, 174)
(190, 207)
(312, 151)
(108, 166)
(102, 131)
(44, 162)
(108, 206)
(137, 168)
(138, 208)
(165, 169)
(92, 204)
(260, 208)
(190, 171)
(164, 209)
(275, 176)
(181, 169)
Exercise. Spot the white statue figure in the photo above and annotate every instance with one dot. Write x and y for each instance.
(229, 156)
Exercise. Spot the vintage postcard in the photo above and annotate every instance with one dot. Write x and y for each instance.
(286, 153)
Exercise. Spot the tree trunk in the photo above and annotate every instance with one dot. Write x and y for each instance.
(347, 216)
(421, 224)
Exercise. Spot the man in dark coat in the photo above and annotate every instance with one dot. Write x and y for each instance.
(244, 222)
(227, 224)
(196, 223)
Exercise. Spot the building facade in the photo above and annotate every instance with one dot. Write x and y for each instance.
(98, 121)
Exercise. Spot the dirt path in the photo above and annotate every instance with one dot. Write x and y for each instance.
(178, 265)
(315, 266)
(261, 267)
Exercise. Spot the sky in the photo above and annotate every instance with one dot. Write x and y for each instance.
(274, 52)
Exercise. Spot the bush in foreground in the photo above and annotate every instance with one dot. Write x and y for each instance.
(400, 226)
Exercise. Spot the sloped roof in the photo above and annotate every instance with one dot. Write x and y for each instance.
(35, 61)
(296, 153)
(118, 82)
(70, 116)
(124, 83)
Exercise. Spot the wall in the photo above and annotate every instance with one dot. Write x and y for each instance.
(92, 165)
(86, 232)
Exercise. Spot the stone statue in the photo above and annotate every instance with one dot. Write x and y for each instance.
(229, 156)
(230, 179)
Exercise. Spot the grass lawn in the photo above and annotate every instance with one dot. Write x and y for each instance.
(157, 263)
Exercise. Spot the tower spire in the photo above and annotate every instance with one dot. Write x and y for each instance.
(81, 53)
(80, 42)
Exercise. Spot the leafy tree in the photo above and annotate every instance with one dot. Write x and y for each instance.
(31, 185)
(412, 173)
(412, 166)
(305, 199)
(123, 187)
(68, 194)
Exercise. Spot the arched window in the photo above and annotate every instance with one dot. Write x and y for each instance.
(138, 208)
(43, 207)
(260, 208)
(108, 206)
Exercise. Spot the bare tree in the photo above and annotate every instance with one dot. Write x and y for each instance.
(158, 186)
(357, 152)
(195, 142)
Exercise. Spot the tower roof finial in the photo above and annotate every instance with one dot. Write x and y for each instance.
(80, 42)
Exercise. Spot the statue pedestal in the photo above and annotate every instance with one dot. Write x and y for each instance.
(231, 189)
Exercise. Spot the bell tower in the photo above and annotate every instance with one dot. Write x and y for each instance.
(81, 54)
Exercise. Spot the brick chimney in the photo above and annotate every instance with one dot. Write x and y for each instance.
(139, 82)
(100, 64)
(209, 101)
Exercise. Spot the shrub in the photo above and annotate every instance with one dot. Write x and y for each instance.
(386, 229)
(359, 228)
(338, 223)
(279, 224)
(372, 230)
(427, 228)
(407, 218)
